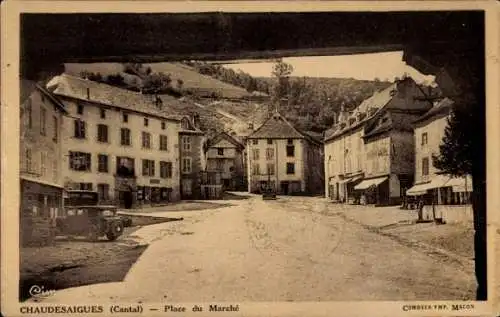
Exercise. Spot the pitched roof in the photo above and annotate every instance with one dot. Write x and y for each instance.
(276, 127)
(443, 106)
(226, 136)
(77, 88)
(377, 101)
(398, 121)
(27, 87)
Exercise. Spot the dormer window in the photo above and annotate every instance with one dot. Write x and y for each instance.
(185, 124)
(352, 120)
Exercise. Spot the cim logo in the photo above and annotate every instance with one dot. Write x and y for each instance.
(40, 292)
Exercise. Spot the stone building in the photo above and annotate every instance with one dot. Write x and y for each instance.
(120, 143)
(283, 158)
(192, 158)
(369, 152)
(225, 153)
(40, 160)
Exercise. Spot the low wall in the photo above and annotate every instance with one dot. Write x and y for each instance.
(449, 213)
(36, 231)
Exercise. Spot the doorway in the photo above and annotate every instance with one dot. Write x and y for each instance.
(285, 188)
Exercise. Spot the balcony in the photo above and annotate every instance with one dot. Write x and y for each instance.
(125, 172)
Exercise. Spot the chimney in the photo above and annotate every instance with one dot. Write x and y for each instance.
(88, 93)
(250, 126)
(158, 102)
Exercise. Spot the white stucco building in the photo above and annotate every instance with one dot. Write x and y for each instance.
(120, 143)
(284, 158)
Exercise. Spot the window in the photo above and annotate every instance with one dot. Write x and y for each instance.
(125, 166)
(290, 168)
(103, 191)
(79, 161)
(289, 141)
(166, 169)
(29, 114)
(79, 129)
(125, 137)
(85, 186)
(28, 160)
(185, 124)
(102, 133)
(425, 166)
(186, 165)
(220, 151)
(269, 141)
(163, 125)
(103, 113)
(79, 109)
(56, 128)
(255, 154)
(163, 143)
(186, 143)
(269, 153)
(146, 122)
(290, 150)
(103, 163)
(43, 121)
(220, 165)
(148, 168)
(270, 169)
(43, 163)
(146, 140)
(424, 138)
(125, 117)
(256, 169)
(255, 141)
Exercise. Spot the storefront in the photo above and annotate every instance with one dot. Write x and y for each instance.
(441, 197)
(374, 190)
(149, 195)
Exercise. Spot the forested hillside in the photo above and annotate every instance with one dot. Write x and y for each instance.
(310, 103)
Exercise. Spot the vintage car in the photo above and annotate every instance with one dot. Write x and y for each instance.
(93, 221)
(84, 216)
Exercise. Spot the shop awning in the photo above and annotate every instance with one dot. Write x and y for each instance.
(418, 190)
(367, 183)
(461, 184)
(351, 179)
(437, 181)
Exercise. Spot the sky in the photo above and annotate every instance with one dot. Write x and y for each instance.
(364, 67)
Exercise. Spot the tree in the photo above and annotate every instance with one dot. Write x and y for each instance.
(115, 80)
(281, 71)
(180, 84)
(156, 82)
(455, 157)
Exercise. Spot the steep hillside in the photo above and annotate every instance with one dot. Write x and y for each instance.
(311, 103)
(180, 75)
(199, 84)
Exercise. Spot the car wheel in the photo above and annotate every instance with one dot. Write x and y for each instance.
(115, 231)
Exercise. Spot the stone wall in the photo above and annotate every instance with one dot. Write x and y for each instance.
(449, 213)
